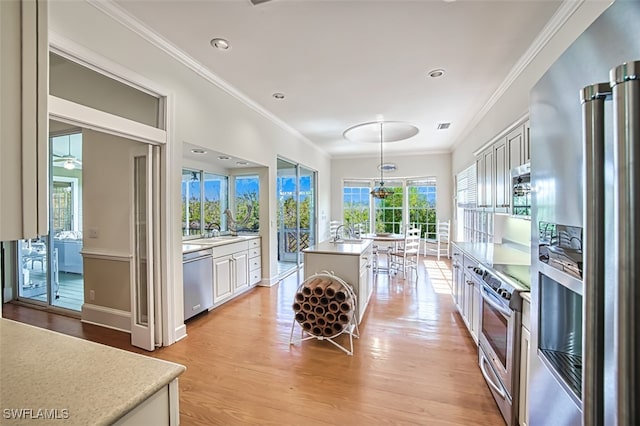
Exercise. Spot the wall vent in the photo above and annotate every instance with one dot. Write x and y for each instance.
(443, 126)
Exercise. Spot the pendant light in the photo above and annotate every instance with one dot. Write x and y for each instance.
(380, 191)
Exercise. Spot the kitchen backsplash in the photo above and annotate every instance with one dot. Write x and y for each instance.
(511, 229)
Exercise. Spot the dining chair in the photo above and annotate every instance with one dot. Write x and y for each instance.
(443, 238)
(406, 257)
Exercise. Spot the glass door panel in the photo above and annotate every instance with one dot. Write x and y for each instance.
(307, 210)
(32, 272)
(287, 188)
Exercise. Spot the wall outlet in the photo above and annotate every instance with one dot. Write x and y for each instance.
(93, 233)
(92, 295)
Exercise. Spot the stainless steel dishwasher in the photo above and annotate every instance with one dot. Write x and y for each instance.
(197, 274)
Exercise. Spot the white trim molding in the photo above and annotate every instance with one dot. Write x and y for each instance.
(106, 255)
(179, 334)
(106, 317)
(118, 14)
(562, 15)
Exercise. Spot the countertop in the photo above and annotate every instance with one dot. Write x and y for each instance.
(490, 254)
(189, 246)
(507, 261)
(346, 248)
(94, 383)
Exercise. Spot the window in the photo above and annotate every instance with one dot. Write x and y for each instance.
(355, 202)
(389, 213)
(413, 201)
(204, 199)
(247, 197)
(421, 202)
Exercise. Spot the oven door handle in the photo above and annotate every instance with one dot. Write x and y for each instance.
(483, 363)
(489, 299)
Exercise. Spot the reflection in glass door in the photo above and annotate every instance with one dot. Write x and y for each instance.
(296, 213)
(50, 268)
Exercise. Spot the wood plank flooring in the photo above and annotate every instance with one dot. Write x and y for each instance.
(415, 363)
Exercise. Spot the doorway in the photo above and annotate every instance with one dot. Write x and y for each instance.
(50, 268)
(296, 191)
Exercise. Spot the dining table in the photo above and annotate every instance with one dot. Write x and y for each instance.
(384, 237)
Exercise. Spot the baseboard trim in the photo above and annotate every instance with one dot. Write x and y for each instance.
(106, 317)
(181, 332)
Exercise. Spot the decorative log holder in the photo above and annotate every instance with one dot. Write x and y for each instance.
(325, 307)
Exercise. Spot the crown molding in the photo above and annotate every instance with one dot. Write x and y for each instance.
(133, 24)
(557, 21)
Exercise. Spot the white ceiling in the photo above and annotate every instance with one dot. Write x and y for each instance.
(345, 62)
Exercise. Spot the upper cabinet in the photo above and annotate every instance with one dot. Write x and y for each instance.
(494, 164)
(23, 118)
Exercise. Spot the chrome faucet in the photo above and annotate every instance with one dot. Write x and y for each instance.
(337, 238)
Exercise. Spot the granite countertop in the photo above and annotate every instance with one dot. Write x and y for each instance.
(189, 246)
(92, 383)
(351, 248)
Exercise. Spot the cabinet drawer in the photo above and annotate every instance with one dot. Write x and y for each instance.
(255, 276)
(254, 263)
(254, 252)
(254, 243)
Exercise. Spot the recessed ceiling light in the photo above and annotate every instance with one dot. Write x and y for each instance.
(198, 151)
(220, 43)
(241, 163)
(223, 157)
(436, 73)
(278, 95)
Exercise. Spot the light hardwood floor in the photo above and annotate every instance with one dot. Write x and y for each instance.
(415, 362)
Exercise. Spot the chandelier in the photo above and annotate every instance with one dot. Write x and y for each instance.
(380, 191)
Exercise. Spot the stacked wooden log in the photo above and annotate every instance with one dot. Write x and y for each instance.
(323, 306)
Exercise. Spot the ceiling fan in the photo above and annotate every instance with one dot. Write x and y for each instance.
(67, 161)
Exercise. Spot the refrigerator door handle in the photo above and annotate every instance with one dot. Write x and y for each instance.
(626, 97)
(593, 118)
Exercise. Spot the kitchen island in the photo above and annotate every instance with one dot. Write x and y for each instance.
(349, 260)
(50, 377)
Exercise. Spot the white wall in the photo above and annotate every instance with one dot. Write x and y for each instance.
(514, 103)
(438, 165)
(203, 114)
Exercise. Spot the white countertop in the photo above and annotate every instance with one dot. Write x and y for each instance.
(490, 254)
(349, 248)
(204, 243)
(94, 383)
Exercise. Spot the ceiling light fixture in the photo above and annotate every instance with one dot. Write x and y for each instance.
(69, 164)
(224, 157)
(436, 73)
(198, 151)
(278, 95)
(220, 44)
(380, 191)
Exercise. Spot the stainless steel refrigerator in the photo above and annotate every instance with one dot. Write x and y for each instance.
(585, 177)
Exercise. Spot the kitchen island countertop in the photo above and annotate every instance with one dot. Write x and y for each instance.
(79, 381)
(355, 248)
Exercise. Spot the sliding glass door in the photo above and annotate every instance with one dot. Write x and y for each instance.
(296, 191)
(50, 269)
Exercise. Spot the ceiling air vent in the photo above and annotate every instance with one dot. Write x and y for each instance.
(443, 126)
(257, 2)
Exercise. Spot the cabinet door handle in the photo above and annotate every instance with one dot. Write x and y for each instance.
(469, 282)
(456, 267)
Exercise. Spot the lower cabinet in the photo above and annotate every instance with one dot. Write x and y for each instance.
(236, 267)
(525, 345)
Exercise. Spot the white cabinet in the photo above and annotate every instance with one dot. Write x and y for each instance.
(466, 291)
(457, 274)
(525, 346)
(222, 277)
(255, 262)
(484, 178)
(236, 267)
(501, 175)
(24, 59)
